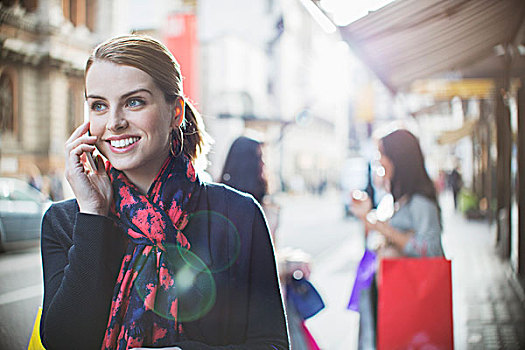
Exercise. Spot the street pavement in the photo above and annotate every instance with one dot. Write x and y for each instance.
(20, 296)
(317, 225)
(488, 303)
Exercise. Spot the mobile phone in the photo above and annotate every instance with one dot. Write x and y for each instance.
(89, 157)
(90, 160)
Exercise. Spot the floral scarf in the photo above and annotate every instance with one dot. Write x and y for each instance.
(145, 301)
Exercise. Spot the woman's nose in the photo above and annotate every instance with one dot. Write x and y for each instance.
(117, 122)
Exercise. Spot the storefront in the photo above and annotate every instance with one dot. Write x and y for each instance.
(479, 41)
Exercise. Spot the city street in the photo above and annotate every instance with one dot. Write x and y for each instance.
(316, 225)
(20, 296)
(487, 310)
(488, 306)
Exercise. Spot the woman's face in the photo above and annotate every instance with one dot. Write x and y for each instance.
(130, 116)
(387, 164)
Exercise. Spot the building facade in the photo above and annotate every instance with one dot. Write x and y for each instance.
(277, 71)
(44, 45)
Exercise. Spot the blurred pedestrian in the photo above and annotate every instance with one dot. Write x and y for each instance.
(35, 178)
(414, 229)
(244, 170)
(440, 181)
(56, 190)
(36, 181)
(145, 255)
(455, 182)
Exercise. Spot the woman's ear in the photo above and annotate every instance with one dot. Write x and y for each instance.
(179, 109)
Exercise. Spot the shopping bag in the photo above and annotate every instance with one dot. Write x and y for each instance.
(415, 304)
(363, 278)
(305, 297)
(310, 341)
(35, 343)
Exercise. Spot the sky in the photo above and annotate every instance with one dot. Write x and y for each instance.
(151, 12)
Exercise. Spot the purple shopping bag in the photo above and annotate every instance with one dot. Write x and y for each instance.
(363, 278)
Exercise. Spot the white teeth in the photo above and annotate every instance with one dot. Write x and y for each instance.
(123, 142)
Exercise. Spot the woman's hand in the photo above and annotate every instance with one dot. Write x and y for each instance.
(361, 204)
(372, 224)
(91, 187)
(397, 238)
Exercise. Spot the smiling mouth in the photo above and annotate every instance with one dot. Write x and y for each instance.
(123, 142)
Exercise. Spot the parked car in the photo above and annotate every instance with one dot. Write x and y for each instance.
(21, 210)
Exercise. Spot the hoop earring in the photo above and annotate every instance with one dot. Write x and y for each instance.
(176, 154)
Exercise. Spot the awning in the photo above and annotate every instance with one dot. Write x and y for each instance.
(409, 40)
(445, 89)
(453, 136)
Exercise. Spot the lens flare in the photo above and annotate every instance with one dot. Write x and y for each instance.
(186, 288)
(224, 235)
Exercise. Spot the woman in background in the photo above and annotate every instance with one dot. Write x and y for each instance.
(415, 227)
(244, 168)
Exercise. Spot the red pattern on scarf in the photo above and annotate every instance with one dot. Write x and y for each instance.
(145, 222)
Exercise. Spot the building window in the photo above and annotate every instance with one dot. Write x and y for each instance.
(70, 11)
(8, 2)
(65, 9)
(7, 104)
(29, 5)
(91, 7)
(73, 12)
(80, 12)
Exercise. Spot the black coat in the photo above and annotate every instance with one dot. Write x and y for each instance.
(82, 253)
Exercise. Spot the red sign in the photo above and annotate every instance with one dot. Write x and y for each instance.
(180, 37)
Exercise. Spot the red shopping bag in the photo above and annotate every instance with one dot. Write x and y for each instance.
(309, 339)
(415, 304)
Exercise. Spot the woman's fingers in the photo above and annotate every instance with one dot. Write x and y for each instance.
(78, 137)
(88, 179)
(77, 151)
(80, 140)
(92, 188)
(74, 163)
(82, 129)
(76, 146)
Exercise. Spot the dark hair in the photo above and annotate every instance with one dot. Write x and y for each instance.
(151, 56)
(410, 176)
(243, 168)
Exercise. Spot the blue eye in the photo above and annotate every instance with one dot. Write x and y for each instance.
(98, 107)
(134, 102)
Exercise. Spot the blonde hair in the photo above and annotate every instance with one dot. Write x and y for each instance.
(152, 57)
